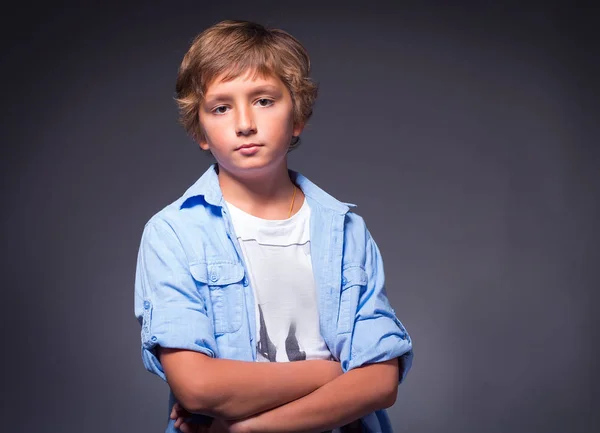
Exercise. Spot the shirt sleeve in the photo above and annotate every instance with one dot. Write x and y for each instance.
(378, 335)
(168, 303)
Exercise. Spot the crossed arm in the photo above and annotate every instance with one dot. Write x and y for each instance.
(279, 397)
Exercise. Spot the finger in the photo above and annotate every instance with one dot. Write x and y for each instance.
(182, 412)
(186, 426)
(178, 411)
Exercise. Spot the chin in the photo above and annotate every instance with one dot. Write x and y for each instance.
(258, 162)
(263, 160)
(248, 165)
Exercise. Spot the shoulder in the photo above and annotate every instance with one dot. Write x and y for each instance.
(191, 207)
(166, 216)
(181, 217)
(161, 229)
(353, 222)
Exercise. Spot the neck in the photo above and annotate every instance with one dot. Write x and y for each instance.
(266, 195)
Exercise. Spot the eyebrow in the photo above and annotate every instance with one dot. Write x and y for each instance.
(221, 97)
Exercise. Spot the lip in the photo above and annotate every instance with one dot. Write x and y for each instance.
(248, 145)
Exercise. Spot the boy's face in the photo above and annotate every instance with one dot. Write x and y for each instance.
(247, 111)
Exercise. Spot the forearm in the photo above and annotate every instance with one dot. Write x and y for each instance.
(339, 402)
(247, 388)
(231, 389)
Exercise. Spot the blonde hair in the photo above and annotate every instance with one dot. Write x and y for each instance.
(231, 48)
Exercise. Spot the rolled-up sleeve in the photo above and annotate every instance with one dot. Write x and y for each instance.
(378, 334)
(168, 303)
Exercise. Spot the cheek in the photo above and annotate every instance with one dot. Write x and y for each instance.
(284, 120)
(213, 129)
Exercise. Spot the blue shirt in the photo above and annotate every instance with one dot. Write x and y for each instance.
(192, 288)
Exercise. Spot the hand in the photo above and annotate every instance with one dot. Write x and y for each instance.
(180, 414)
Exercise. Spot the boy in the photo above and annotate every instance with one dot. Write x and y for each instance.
(256, 263)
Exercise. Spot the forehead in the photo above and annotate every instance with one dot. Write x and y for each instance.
(247, 80)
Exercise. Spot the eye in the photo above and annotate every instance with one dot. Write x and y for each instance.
(265, 102)
(221, 109)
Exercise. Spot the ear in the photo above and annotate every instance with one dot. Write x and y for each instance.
(203, 144)
(298, 128)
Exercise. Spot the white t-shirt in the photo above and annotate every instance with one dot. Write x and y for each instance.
(277, 255)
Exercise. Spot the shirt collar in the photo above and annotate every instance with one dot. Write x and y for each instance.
(208, 187)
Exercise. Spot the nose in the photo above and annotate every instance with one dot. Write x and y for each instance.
(245, 124)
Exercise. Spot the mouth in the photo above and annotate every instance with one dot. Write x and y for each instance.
(248, 146)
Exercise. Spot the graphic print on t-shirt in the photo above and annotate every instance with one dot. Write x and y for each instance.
(291, 345)
(265, 346)
(267, 349)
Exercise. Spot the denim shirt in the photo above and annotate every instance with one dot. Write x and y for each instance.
(192, 288)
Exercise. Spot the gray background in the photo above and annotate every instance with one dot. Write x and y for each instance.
(463, 132)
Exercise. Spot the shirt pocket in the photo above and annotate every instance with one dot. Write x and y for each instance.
(354, 279)
(225, 283)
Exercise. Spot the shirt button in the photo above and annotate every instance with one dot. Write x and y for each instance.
(344, 281)
(146, 305)
(154, 338)
(213, 277)
(245, 282)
